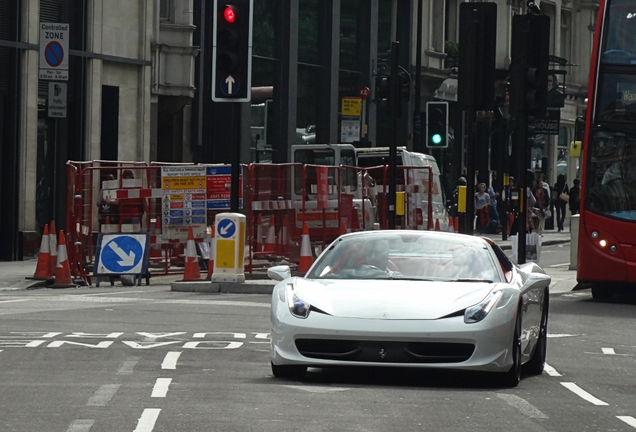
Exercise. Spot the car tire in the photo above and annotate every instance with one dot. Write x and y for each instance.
(601, 292)
(536, 364)
(513, 376)
(289, 371)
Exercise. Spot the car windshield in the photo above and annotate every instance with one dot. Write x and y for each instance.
(407, 256)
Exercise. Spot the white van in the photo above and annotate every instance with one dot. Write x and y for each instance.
(377, 156)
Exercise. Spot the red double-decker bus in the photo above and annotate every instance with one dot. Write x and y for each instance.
(607, 224)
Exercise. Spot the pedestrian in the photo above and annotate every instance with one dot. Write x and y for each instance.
(482, 203)
(560, 187)
(575, 197)
(494, 213)
(107, 208)
(542, 205)
(131, 210)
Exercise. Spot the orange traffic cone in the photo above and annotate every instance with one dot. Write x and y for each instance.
(53, 248)
(63, 272)
(212, 252)
(306, 258)
(259, 234)
(343, 228)
(437, 228)
(451, 228)
(43, 267)
(191, 271)
(270, 242)
(283, 247)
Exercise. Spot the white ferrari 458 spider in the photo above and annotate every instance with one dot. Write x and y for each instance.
(420, 299)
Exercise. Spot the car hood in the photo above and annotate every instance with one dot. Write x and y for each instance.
(390, 299)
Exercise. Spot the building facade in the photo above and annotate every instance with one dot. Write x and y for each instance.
(138, 87)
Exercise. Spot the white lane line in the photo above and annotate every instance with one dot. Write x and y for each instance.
(582, 393)
(103, 395)
(550, 370)
(170, 360)
(608, 350)
(81, 426)
(147, 420)
(161, 387)
(629, 420)
(128, 366)
(559, 265)
(522, 405)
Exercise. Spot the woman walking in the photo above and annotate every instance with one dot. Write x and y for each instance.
(543, 201)
(482, 201)
(560, 188)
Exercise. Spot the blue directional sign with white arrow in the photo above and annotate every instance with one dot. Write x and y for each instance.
(122, 253)
(230, 85)
(226, 228)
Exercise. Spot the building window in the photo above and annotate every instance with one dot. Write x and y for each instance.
(566, 33)
(164, 9)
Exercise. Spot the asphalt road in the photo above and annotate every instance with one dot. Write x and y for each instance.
(148, 359)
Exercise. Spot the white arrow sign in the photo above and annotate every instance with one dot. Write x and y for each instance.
(229, 81)
(223, 230)
(127, 259)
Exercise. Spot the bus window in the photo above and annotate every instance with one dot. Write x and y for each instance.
(620, 27)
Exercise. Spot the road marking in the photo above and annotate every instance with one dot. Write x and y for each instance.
(522, 405)
(103, 395)
(14, 301)
(170, 360)
(560, 265)
(317, 389)
(236, 335)
(550, 370)
(147, 420)
(81, 426)
(608, 351)
(147, 345)
(161, 387)
(629, 420)
(128, 366)
(561, 335)
(582, 393)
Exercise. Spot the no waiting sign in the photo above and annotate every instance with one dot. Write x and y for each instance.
(54, 51)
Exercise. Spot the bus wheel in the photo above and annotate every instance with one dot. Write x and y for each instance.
(601, 292)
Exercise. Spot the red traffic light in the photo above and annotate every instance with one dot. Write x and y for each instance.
(229, 13)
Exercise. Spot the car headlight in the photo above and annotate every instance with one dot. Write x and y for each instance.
(297, 307)
(479, 311)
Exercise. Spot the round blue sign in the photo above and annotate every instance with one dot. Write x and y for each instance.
(121, 254)
(54, 54)
(226, 228)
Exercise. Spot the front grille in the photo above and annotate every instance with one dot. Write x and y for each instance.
(385, 351)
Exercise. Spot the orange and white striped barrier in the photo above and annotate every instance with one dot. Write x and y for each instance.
(53, 248)
(306, 257)
(43, 267)
(63, 273)
(212, 251)
(270, 242)
(259, 234)
(283, 248)
(191, 271)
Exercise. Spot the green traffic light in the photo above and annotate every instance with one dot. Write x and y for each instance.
(436, 138)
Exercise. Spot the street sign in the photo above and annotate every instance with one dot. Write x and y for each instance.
(54, 50)
(365, 92)
(57, 100)
(226, 228)
(119, 253)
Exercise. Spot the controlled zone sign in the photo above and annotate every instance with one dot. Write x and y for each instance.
(119, 253)
(54, 51)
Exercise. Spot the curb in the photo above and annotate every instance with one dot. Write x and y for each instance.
(264, 286)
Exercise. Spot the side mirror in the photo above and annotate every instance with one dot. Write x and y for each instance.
(279, 273)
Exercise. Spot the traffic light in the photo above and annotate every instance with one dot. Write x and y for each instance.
(382, 91)
(529, 68)
(436, 124)
(232, 51)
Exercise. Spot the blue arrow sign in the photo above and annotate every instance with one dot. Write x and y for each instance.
(226, 228)
(230, 85)
(121, 254)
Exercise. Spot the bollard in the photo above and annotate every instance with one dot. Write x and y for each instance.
(574, 240)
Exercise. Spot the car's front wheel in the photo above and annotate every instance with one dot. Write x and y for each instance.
(513, 376)
(536, 364)
(289, 371)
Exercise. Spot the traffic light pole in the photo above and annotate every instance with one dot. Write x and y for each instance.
(394, 101)
(235, 143)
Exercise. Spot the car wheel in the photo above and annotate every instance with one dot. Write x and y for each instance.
(601, 292)
(537, 362)
(513, 376)
(289, 371)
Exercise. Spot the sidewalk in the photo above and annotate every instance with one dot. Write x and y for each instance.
(13, 275)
